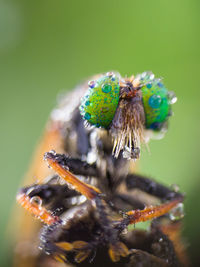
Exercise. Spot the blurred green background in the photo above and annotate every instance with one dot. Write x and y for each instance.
(49, 46)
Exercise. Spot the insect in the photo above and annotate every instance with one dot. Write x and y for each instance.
(89, 196)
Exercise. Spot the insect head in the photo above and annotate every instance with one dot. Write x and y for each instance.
(127, 108)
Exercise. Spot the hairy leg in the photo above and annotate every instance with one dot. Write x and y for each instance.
(151, 187)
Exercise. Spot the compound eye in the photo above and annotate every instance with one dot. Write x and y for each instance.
(99, 104)
(156, 101)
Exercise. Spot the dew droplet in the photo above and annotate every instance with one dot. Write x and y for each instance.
(106, 88)
(172, 97)
(131, 153)
(91, 84)
(160, 239)
(149, 85)
(177, 213)
(175, 188)
(148, 75)
(151, 76)
(36, 200)
(87, 116)
(160, 84)
(155, 101)
(110, 74)
(87, 103)
(52, 152)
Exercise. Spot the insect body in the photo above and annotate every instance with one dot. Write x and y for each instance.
(88, 198)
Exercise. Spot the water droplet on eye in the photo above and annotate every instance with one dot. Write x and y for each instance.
(147, 75)
(110, 74)
(149, 85)
(175, 188)
(91, 84)
(172, 97)
(87, 116)
(151, 76)
(160, 84)
(155, 101)
(177, 213)
(36, 200)
(87, 103)
(106, 88)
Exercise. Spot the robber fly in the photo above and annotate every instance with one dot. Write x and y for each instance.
(89, 196)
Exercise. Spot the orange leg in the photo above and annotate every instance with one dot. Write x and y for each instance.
(40, 212)
(35, 209)
(149, 213)
(91, 192)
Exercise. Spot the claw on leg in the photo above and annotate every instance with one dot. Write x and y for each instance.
(60, 257)
(117, 250)
(81, 256)
(65, 246)
(81, 249)
(80, 244)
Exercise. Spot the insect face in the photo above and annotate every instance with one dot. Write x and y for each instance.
(126, 108)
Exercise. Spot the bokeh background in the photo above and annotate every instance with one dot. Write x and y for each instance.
(49, 46)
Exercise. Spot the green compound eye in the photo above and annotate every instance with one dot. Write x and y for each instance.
(156, 101)
(99, 104)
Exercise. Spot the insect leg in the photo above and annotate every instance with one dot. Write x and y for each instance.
(149, 213)
(134, 181)
(75, 165)
(130, 201)
(36, 209)
(31, 200)
(151, 187)
(61, 169)
(116, 248)
(165, 194)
